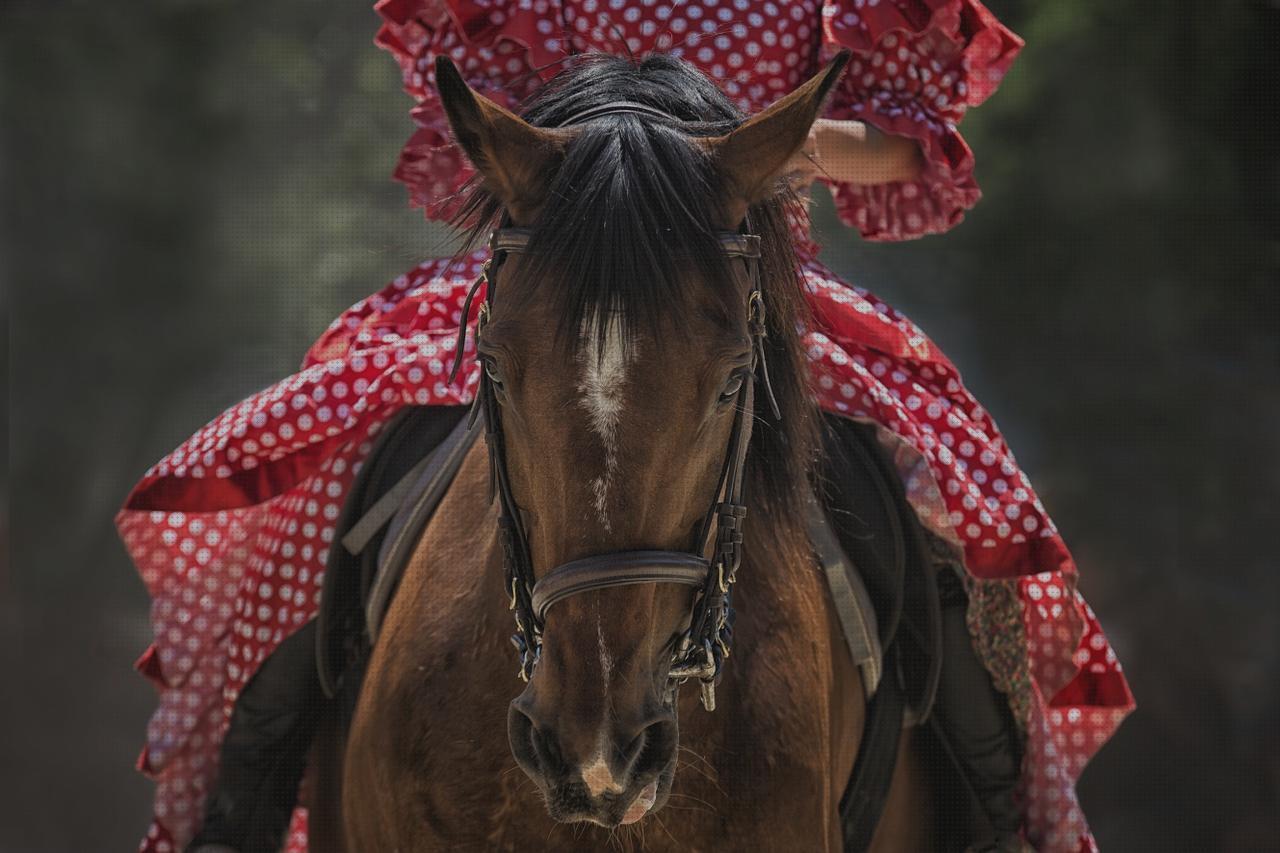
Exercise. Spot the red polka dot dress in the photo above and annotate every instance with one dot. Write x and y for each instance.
(232, 530)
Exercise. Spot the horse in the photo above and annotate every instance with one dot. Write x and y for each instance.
(642, 383)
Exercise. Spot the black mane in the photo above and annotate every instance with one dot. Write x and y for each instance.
(632, 206)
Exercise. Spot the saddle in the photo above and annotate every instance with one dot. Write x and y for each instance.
(863, 533)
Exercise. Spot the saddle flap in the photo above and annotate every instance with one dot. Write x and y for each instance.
(885, 542)
(431, 479)
(402, 454)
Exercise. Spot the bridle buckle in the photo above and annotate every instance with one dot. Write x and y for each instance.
(756, 314)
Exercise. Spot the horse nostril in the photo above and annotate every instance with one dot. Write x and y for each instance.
(632, 751)
(653, 746)
(544, 746)
(527, 744)
(534, 748)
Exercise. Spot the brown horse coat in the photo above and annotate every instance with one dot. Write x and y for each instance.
(427, 766)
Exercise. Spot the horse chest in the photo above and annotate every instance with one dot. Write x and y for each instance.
(438, 750)
(429, 766)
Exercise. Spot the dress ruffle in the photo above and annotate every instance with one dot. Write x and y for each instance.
(917, 66)
(501, 54)
(231, 531)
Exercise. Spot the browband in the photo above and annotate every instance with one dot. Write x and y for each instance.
(617, 108)
(514, 239)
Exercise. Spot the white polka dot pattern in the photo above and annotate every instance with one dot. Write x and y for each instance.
(231, 531)
(916, 68)
(917, 65)
(872, 363)
(159, 840)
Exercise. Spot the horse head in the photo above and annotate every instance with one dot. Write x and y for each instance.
(620, 354)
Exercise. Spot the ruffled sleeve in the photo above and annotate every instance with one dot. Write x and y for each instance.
(504, 50)
(917, 65)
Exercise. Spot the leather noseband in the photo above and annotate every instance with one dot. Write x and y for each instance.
(623, 568)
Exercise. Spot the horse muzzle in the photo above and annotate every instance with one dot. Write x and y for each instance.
(609, 775)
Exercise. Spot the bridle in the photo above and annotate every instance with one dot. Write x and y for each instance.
(701, 650)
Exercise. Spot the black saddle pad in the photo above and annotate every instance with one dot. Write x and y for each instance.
(341, 635)
(882, 536)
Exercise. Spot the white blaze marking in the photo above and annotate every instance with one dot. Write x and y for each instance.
(603, 375)
(604, 372)
(599, 778)
(606, 659)
(597, 775)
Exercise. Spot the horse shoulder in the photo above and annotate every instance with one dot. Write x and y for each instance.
(422, 758)
(785, 735)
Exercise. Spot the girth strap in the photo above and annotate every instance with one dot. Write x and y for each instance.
(358, 537)
(624, 568)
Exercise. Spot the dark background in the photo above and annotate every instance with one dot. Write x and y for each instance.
(192, 190)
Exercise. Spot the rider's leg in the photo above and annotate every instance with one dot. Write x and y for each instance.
(977, 721)
(264, 753)
(974, 716)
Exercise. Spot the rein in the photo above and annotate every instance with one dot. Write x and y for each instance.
(701, 650)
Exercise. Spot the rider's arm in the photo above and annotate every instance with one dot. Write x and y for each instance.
(848, 151)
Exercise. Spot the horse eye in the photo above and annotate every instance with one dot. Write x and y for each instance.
(491, 370)
(732, 388)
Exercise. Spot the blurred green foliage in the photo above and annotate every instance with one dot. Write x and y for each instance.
(194, 188)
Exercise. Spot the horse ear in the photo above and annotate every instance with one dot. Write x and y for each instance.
(751, 159)
(516, 159)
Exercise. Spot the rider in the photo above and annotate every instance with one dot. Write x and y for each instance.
(232, 530)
